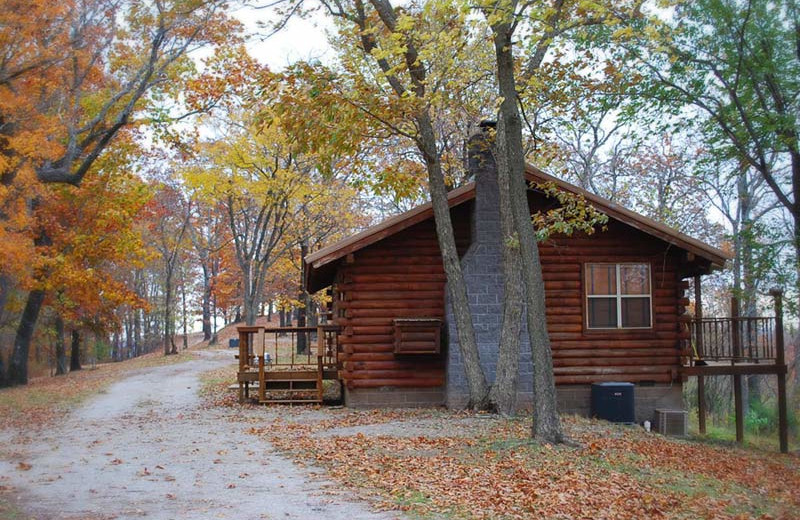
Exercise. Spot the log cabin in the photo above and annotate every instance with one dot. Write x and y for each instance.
(616, 301)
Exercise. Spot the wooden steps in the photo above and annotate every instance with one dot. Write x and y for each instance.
(298, 386)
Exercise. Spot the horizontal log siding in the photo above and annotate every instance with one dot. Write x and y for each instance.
(402, 277)
(399, 277)
(583, 356)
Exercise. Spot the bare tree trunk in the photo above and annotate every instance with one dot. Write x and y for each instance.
(302, 338)
(61, 349)
(214, 337)
(75, 355)
(206, 305)
(137, 332)
(18, 365)
(169, 344)
(183, 313)
(3, 381)
(456, 286)
(503, 394)
(546, 422)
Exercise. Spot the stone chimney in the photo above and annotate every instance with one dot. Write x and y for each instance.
(483, 274)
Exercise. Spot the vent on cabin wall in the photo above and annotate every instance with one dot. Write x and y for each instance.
(672, 422)
(417, 336)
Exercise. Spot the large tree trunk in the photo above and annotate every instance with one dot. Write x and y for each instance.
(18, 365)
(61, 348)
(302, 310)
(183, 314)
(169, 344)
(3, 379)
(456, 286)
(546, 422)
(503, 394)
(75, 355)
(206, 304)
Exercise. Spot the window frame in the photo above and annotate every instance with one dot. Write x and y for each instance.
(618, 297)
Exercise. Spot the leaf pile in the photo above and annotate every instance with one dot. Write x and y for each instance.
(492, 470)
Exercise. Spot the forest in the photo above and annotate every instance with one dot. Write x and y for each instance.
(158, 177)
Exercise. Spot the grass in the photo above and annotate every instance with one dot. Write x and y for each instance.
(45, 398)
(726, 435)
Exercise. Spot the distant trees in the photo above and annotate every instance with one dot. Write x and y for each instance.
(72, 78)
(737, 63)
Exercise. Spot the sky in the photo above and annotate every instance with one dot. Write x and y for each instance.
(301, 39)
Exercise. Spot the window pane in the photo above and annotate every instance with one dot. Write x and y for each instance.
(635, 279)
(602, 279)
(636, 312)
(602, 313)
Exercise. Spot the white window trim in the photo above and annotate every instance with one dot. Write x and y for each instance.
(618, 296)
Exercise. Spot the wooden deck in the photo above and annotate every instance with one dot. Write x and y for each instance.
(289, 364)
(736, 346)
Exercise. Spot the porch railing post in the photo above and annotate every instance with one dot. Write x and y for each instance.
(698, 335)
(698, 316)
(736, 340)
(780, 360)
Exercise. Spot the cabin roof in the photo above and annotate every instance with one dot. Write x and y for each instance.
(321, 265)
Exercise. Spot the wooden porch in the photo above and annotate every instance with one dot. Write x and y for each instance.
(736, 346)
(288, 364)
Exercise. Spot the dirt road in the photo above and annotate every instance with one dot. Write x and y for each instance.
(147, 448)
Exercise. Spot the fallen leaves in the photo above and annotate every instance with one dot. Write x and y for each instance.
(490, 469)
(22, 466)
(44, 399)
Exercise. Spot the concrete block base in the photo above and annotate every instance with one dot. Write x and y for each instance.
(577, 399)
(390, 397)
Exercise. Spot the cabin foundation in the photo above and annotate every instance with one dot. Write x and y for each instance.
(389, 397)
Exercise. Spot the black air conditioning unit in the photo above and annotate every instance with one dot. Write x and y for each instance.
(613, 402)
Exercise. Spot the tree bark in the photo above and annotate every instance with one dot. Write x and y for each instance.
(206, 307)
(61, 349)
(183, 314)
(169, 344)
(18, 365)
(302, 310)
(546, 422)
(503, 394)
(456, 286)
(75, 355)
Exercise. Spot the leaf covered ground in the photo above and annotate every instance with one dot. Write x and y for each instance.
(438, 464)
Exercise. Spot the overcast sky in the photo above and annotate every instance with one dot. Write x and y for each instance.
(301, 39)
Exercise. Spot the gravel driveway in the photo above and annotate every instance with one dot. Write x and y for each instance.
(147, 448)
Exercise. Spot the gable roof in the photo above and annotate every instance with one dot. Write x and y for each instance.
(321, 264)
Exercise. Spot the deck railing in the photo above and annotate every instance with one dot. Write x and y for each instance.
(288, 346)
(735, 339)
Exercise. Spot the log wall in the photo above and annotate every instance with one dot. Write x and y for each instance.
(402, 277)
(399, 277)
(583, 356)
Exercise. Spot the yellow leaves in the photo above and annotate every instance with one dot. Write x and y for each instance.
(623, 33)
(572, 214)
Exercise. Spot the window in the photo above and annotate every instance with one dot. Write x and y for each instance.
(618, 296)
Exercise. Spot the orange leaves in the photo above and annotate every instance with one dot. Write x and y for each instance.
(434, 463)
